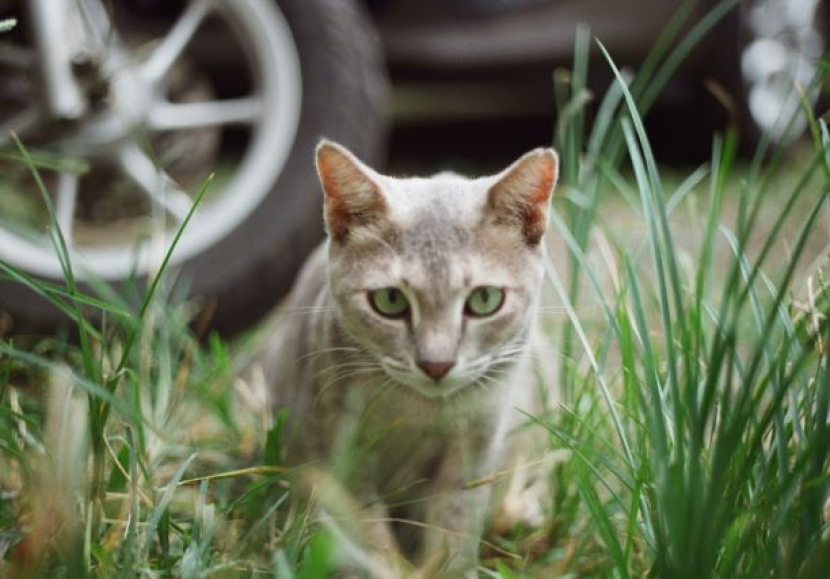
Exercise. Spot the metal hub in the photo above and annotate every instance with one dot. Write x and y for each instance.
(109, 126)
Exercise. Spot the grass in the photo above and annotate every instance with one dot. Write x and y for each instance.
(695, 394)
(699, 429)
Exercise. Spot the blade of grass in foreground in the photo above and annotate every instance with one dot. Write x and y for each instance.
(102, 409)
(100, 388)
(715, 428)
(62, 251)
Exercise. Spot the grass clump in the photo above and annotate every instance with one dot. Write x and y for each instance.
(696, 402)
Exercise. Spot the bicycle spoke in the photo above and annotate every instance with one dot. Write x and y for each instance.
(67, 199)
(169, 116)
(172, 46)
(155, 183)
(64, 97)
(97, 26)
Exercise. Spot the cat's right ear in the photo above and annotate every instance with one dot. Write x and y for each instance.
(521, 194)
(352, 196)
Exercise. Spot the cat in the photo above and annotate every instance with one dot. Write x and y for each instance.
(404, 355)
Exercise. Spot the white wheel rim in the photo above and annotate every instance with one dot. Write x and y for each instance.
(784, 53)
(275, 107)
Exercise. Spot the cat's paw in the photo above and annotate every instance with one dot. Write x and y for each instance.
(526, 501)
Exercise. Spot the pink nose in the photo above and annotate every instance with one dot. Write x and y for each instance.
(435, 370)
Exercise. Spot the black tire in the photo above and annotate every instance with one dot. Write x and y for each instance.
(344, 87)
(248, 271)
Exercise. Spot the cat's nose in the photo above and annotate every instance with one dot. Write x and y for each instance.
(435, 370)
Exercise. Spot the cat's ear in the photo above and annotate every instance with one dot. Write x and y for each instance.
(521, 194)
(352, 195)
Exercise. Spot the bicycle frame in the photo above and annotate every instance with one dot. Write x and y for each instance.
(67, 33)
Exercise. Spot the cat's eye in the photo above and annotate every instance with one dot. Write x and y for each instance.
(389, 302)
(484, 301)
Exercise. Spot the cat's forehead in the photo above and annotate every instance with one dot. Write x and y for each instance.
(439, 269)
(436, 239)
(436, 220)
(434, 252)
(444, 198)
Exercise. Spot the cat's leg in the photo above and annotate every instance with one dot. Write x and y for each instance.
(371, 550)
(524, 495)
(454, 524)
(455, 512)
(361, 524)
(524, 498)
(377, 531)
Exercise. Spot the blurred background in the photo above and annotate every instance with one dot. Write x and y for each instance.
(126, 106)
(476, 77)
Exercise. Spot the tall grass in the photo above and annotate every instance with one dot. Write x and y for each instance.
(697, 416)
(694, 387)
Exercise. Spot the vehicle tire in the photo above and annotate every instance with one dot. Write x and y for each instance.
(242, 273)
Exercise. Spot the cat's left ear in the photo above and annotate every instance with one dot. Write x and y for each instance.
(352, 195)
(522, 193)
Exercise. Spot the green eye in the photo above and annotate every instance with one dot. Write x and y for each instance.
(484, 301)
(389, 302)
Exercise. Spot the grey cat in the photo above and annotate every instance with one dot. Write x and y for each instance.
(405, 352)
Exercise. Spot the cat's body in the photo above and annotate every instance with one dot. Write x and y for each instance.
(404, 353)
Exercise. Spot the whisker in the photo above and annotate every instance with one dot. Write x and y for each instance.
(319, 352)
(333, 381)
(310, 309)
(565, 308)
(343, 369)
(297, 313)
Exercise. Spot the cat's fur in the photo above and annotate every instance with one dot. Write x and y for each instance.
(356, 396)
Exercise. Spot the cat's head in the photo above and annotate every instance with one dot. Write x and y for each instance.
(437, 278)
